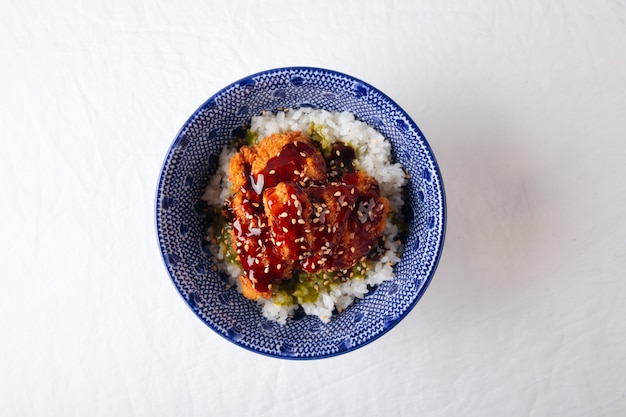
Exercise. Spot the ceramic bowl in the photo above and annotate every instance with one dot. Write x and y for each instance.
(191, 161)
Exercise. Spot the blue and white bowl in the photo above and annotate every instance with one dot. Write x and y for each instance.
(192, 159)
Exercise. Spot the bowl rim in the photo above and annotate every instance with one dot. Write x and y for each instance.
(335, 73)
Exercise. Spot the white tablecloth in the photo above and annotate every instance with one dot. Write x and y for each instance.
(524, 104)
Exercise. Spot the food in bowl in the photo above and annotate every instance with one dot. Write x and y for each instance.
(306, 212)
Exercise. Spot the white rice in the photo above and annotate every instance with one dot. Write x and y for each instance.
(373, 155)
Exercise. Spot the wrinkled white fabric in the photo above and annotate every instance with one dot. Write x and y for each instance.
(523, 104)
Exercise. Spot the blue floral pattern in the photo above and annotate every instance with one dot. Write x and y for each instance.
(192, 159)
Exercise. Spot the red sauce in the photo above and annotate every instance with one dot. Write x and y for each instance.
(293, 223)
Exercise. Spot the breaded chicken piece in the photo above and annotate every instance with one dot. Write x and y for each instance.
(314, 166)
(237, 172)
(257, 157)
(371, 214)
(251, 293)
(288, 212)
